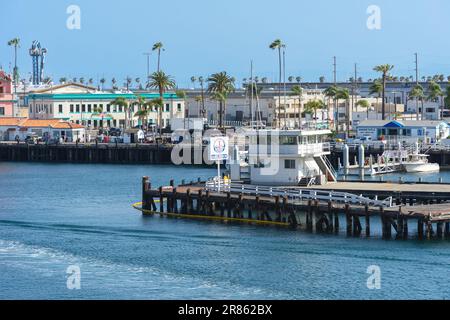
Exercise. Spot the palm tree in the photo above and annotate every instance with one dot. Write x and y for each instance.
(138, 83)
(434, 95)
(74, 79)
(102, 81)
(298, 79)
(312, 106)
(384, 69)
(193, 80)
(330, 93)
(62, 80)
(121, 102)
(364, 104)
(201, 80)
(90, 81)
(417, 93)
(376, 88)
(162, 82)
(114, 81)
(98, 110)
(82, 80)
(344, 94)
(128, 82)
(264, 80)
(219, 86)
(298, 91)
(16, 44)
(322, 79)
(278, 45)
(158, 46)
(291, 79)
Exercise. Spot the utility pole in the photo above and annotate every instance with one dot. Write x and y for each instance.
(251, 93)
(334, 70)
(417, 83)
(148, 63)
(336, 111)
(284, 87)
(417, 69)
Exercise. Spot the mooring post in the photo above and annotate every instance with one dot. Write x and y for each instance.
(330, 217)
(207, 204)
(384, 224)
(405, 228)
(199, 201)
(439, 230)
(277, 209)
(420, 228)
(257, 210)
(188, 201)
(447, 229)
(336, 221)
(285, 209)
(366, 210)
(429, 229)
(309, 216)
(175, 200)
(228, 204)
(161, 200)
(348, 218)
(146, 186)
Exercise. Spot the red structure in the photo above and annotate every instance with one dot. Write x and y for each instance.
(6, 95)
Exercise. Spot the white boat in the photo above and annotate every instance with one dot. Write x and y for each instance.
(417, 163)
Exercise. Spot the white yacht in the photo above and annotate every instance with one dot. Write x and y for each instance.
(416, 163)
(279, 157)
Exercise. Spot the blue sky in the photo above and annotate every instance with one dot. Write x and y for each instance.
(205, 36)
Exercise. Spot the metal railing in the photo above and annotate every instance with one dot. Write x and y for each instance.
(298, 194)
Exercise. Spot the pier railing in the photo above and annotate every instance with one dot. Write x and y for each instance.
(298, 194)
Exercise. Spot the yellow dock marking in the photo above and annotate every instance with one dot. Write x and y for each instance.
(138, 206)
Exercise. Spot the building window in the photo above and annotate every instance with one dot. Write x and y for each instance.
(2, 111)
(71, 108)
(60, 108)
(77, 108)
(108, 107)
(90, 107)
(83, 108)
(289, 164)
(167, 107)
(179, 107)
(430, 110)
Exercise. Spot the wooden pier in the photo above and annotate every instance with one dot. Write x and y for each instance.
(414, 205)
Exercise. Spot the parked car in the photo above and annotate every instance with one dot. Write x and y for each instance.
(33, 139)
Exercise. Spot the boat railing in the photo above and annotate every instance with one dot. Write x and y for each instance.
(297, 194)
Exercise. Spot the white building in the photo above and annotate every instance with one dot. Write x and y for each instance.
(12, 129)
(92, 108)
(427, 131)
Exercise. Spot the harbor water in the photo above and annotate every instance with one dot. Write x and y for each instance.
(53, 217)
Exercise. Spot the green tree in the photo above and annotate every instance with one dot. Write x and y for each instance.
(297, 91)
(122, 103)
(418, 94)
(278, 45)
(376, 88)
(312, 106)
(161, 82)
(102, 81)
(330, 94)
(62, 80)
(16, 44)
(219, 86)
(434, 94)
(344, 94)
(364, 104)
(158, 46)
(384, 69)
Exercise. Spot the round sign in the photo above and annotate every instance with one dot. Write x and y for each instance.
(219, 146)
